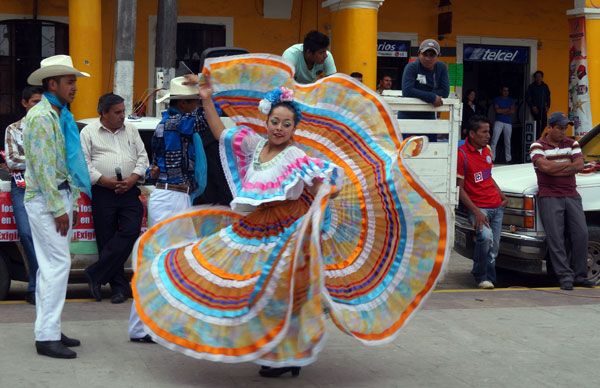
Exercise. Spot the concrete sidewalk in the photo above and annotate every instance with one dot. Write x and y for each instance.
(461, 339)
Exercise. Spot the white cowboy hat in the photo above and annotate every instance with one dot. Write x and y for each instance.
(54, 66)
(179, 91)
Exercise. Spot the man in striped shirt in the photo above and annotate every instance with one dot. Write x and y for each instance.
(557, 159)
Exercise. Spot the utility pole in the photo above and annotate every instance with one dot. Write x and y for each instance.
(166, 38)
(126, 23)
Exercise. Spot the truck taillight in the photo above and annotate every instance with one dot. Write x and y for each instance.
(529, 222)
(529, 204)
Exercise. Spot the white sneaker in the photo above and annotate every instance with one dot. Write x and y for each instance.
(486, 285)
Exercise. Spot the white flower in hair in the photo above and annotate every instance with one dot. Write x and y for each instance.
(264, 106)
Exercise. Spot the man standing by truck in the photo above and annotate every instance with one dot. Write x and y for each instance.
(311, 59)
(557, 159)
(117, 161)
(479, 193)
(15, 160)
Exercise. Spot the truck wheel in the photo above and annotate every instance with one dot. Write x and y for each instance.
(4, 278)
(593, 256)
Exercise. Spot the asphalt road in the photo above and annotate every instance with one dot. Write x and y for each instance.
(456, 276)
(527, 334)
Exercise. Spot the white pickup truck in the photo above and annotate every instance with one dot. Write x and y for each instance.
(522, 244)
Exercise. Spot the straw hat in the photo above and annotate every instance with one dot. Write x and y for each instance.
(179, 91)
(54, 66)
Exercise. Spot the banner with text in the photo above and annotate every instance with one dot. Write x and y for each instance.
(392, 48)
(491, 53)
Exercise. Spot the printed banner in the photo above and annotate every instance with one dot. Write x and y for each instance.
(392, 48)
(492, 53)
(580, 110)
(8, 226)
(83, 229)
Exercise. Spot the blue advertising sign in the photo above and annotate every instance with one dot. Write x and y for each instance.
(489, 53)
(392, 48)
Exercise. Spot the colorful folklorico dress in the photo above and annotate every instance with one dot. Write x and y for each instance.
(249, 283)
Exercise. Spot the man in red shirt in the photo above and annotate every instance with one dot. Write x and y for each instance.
(557, 159)
(480, 194)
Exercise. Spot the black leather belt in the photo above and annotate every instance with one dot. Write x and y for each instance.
(183, 188)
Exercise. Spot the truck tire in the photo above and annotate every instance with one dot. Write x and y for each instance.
(4, 278)
(593, 256)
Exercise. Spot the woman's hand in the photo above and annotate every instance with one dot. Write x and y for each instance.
(205, 91)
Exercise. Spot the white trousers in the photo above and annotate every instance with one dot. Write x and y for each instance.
(162, 204)
(500, 127)
(54, 260)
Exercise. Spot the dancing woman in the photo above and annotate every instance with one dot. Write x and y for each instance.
(249, 283)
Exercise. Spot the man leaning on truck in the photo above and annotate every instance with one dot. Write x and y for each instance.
(482, 197)
(557, 159)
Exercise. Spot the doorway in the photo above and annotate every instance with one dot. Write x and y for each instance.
(23, 44)
(487, 68)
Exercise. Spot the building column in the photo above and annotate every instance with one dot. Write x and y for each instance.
(354, 36)
(584, 69)
(85, 47)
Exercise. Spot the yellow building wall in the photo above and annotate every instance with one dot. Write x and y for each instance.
(25, 7)
(544, 20)
(250, 29)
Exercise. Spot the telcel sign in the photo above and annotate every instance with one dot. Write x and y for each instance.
(486, 53)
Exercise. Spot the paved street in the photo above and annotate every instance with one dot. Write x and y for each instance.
(511, 337)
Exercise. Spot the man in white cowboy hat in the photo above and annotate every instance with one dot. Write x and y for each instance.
(185, 162)
(56, 173)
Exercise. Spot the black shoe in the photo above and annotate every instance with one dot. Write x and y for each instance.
(567, 286)
(69, 342)
(584, 283)
(54, 349)
(30, 297)
(145, 339)
(276, 372)
(118, 298)
(95, 287)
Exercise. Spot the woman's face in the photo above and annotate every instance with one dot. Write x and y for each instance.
(280, 126)
(471, 96)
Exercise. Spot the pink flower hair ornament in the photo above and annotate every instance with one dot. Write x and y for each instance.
(276, 96)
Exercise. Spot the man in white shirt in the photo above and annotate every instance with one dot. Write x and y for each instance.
(117, 160)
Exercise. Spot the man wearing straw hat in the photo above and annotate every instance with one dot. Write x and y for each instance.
(179, 165)
(56, 173)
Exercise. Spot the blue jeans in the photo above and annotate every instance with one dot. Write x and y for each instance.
(487, 243)
(17, 194)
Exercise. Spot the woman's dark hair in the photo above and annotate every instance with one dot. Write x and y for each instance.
(289, 105)
(107, 100)
(538, 72)
(315, 41)
(466, 95)
(476, 121)
(29, 91)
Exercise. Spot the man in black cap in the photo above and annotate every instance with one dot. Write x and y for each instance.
(426, 79)
(557, 159)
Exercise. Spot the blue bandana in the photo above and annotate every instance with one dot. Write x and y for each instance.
(76, 163)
